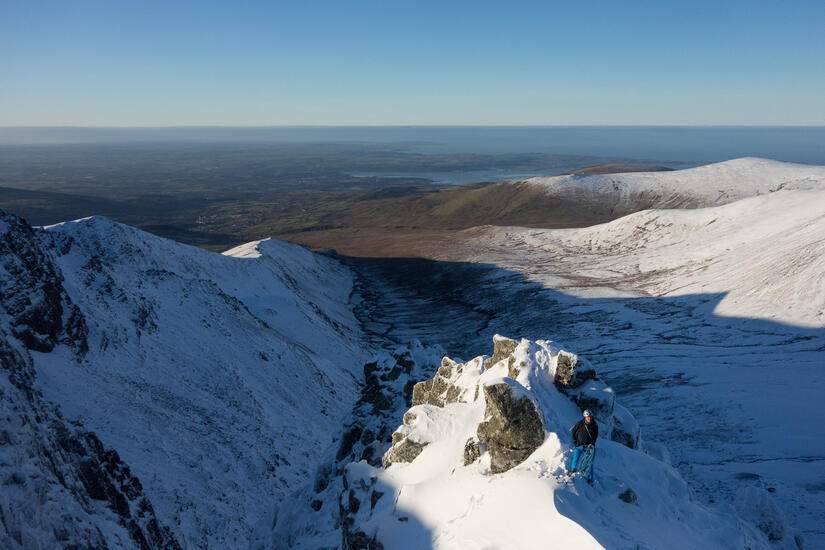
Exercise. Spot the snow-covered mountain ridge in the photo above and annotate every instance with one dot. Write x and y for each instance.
(708, 185)
(216, 378)
(459, 475)
(762, 244)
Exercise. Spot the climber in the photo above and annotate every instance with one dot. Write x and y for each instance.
(584, 433)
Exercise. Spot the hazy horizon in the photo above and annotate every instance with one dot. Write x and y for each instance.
(186, 63)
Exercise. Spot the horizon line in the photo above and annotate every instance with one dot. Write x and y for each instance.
(204, 126)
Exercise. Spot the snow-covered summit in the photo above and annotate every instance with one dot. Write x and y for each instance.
(708, 185)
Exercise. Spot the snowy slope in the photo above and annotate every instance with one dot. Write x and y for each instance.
(708, 185)
(766, 253)
(216, 378)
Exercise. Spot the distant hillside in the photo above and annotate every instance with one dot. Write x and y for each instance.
(395, 225)
(618, 169)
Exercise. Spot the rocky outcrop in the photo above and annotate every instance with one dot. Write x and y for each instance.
(336, 503)
(570, 372)
(461, 471)
(513, 426)
(404, 451)
(31, 291)
(358, 499)
(503, 348)
(59, 481)
(440, 390)
(472, 451)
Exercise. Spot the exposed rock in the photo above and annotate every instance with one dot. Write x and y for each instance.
(32, 293)
(404, 451)
(514, 427)
(358, 492)
(628, 496)
(503, 348)
(472, 451)
(351, 435)
(440, 390)
(571, 372)
(66, 470)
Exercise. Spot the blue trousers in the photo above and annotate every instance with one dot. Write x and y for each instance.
(577, 454)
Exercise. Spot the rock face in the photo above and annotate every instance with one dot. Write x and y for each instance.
(514, 427)
(503, 348)
(32, 293)
(472, 451)
(440, 390)
(570, 373)
(59, 481)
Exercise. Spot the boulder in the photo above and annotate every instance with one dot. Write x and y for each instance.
(472, 451)
(403, 451)
(629, 496)
(571, 372)
(513, 426)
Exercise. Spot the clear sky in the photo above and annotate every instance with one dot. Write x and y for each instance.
(175, 62)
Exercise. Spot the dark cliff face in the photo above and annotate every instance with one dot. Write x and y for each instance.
(62, 487)
(31, 290)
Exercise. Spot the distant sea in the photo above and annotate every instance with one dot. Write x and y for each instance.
(675, 146)
(694, 144)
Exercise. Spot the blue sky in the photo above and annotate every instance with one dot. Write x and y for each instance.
(144, 63)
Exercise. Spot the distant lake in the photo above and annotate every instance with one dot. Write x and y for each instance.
(691, 145)
(474, 176)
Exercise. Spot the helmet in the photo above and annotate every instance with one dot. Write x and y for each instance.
(586, 412)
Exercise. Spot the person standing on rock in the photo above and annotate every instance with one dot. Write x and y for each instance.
(584, 433)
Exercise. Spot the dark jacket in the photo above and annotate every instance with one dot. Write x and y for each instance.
(584, 433)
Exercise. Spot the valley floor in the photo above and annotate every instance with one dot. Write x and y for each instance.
(735, 400)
